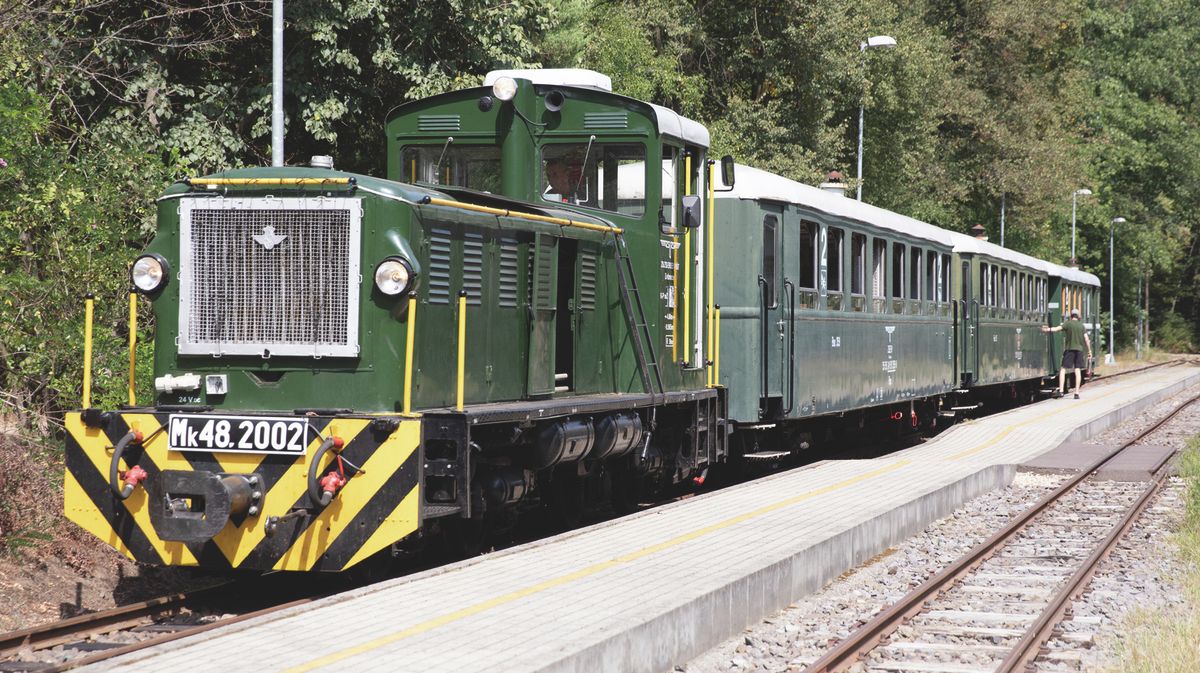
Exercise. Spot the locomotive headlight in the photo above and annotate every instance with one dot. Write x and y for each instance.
(393, 276)
(504, 88)
(149, 273)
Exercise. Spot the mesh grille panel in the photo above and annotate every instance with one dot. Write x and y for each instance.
(269, 279)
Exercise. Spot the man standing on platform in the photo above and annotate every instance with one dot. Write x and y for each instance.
(1076, 339)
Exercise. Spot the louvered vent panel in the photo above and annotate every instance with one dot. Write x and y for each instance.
(509, 272)
(438, 123)
(472, 272)
(439, 266)
(605, 120)
(587, 281)
(543, 273)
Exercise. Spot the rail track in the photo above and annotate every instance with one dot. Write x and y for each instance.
(995, 608)
(96, 636)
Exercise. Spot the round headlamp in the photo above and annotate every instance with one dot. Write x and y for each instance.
(504, 88)
(149, 273)
(393, 276)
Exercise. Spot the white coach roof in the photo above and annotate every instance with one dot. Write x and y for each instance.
(754, 183)
(669, 122)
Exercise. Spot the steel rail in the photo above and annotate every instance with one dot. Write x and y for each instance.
(868, 636)
(57, 633)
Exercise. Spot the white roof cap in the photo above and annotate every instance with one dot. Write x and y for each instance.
(555, 76)
(754, 183)
(669, 122)
(1073, 275)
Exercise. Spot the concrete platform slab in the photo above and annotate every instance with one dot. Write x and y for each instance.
(652, 590)
(1137, 463)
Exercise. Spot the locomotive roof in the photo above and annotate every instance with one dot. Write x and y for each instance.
(755, 183)
(669, 122)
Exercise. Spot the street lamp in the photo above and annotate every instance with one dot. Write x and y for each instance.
(1108, 357)
(882, 42)
(1077, 192)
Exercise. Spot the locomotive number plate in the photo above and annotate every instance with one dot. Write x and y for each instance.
(237, 434)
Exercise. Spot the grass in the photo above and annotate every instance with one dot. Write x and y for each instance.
(1168, 641)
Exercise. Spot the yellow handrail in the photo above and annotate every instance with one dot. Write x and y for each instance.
(462, 346)
(132, 348)
(687, 268)
(502, 212)
(717, 360)
(408, 354)
(88, 308)
(712, 253)
(217, 182)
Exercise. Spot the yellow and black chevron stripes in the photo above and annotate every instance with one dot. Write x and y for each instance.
(378, 506)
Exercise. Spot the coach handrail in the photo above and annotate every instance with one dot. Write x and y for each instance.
(762, 328)
(791, 295)
(975, 318)
(957, 341)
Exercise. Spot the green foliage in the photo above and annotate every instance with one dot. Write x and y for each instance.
(1175, 335)
(102, 104)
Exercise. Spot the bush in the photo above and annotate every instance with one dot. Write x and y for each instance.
(1175, 334)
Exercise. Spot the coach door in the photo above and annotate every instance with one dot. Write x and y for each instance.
(772, 326)
(967, 323)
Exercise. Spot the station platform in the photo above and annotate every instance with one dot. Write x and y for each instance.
(654, 589)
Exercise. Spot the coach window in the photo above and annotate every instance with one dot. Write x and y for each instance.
(858, 272)
(833, 264)
(985, 288)
(808, 264)
(930, 272)
(914, 280)
(770, 226)
(1003, 289)
(897, 278)
(878, 275)
(944, 284)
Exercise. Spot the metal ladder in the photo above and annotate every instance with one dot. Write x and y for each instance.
(638, 327)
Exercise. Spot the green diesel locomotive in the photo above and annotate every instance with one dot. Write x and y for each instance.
(525, 314)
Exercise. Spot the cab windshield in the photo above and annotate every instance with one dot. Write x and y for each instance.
(469, 166)
(608, 176)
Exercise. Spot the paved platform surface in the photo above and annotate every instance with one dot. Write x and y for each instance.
(1137, 463)
(651, 590)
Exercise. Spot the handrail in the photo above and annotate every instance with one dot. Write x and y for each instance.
(504, 212)
(286, 182)
(975, 318)
(791, 295)
(763, 368)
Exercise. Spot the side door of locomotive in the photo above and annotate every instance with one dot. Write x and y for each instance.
(543, 313)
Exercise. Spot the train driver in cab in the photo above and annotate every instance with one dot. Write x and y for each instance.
(562, 178)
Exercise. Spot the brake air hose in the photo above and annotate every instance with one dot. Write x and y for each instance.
(132, 477)
(322, 491)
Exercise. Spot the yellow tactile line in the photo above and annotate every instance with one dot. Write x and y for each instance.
(1058, 409)
(583, 572)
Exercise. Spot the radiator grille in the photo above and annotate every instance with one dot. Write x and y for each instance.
(269, 276)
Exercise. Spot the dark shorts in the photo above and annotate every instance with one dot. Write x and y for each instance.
(1074, 360)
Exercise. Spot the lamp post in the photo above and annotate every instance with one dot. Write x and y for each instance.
(1074, 194)
(1109, 359)
(882, 42)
